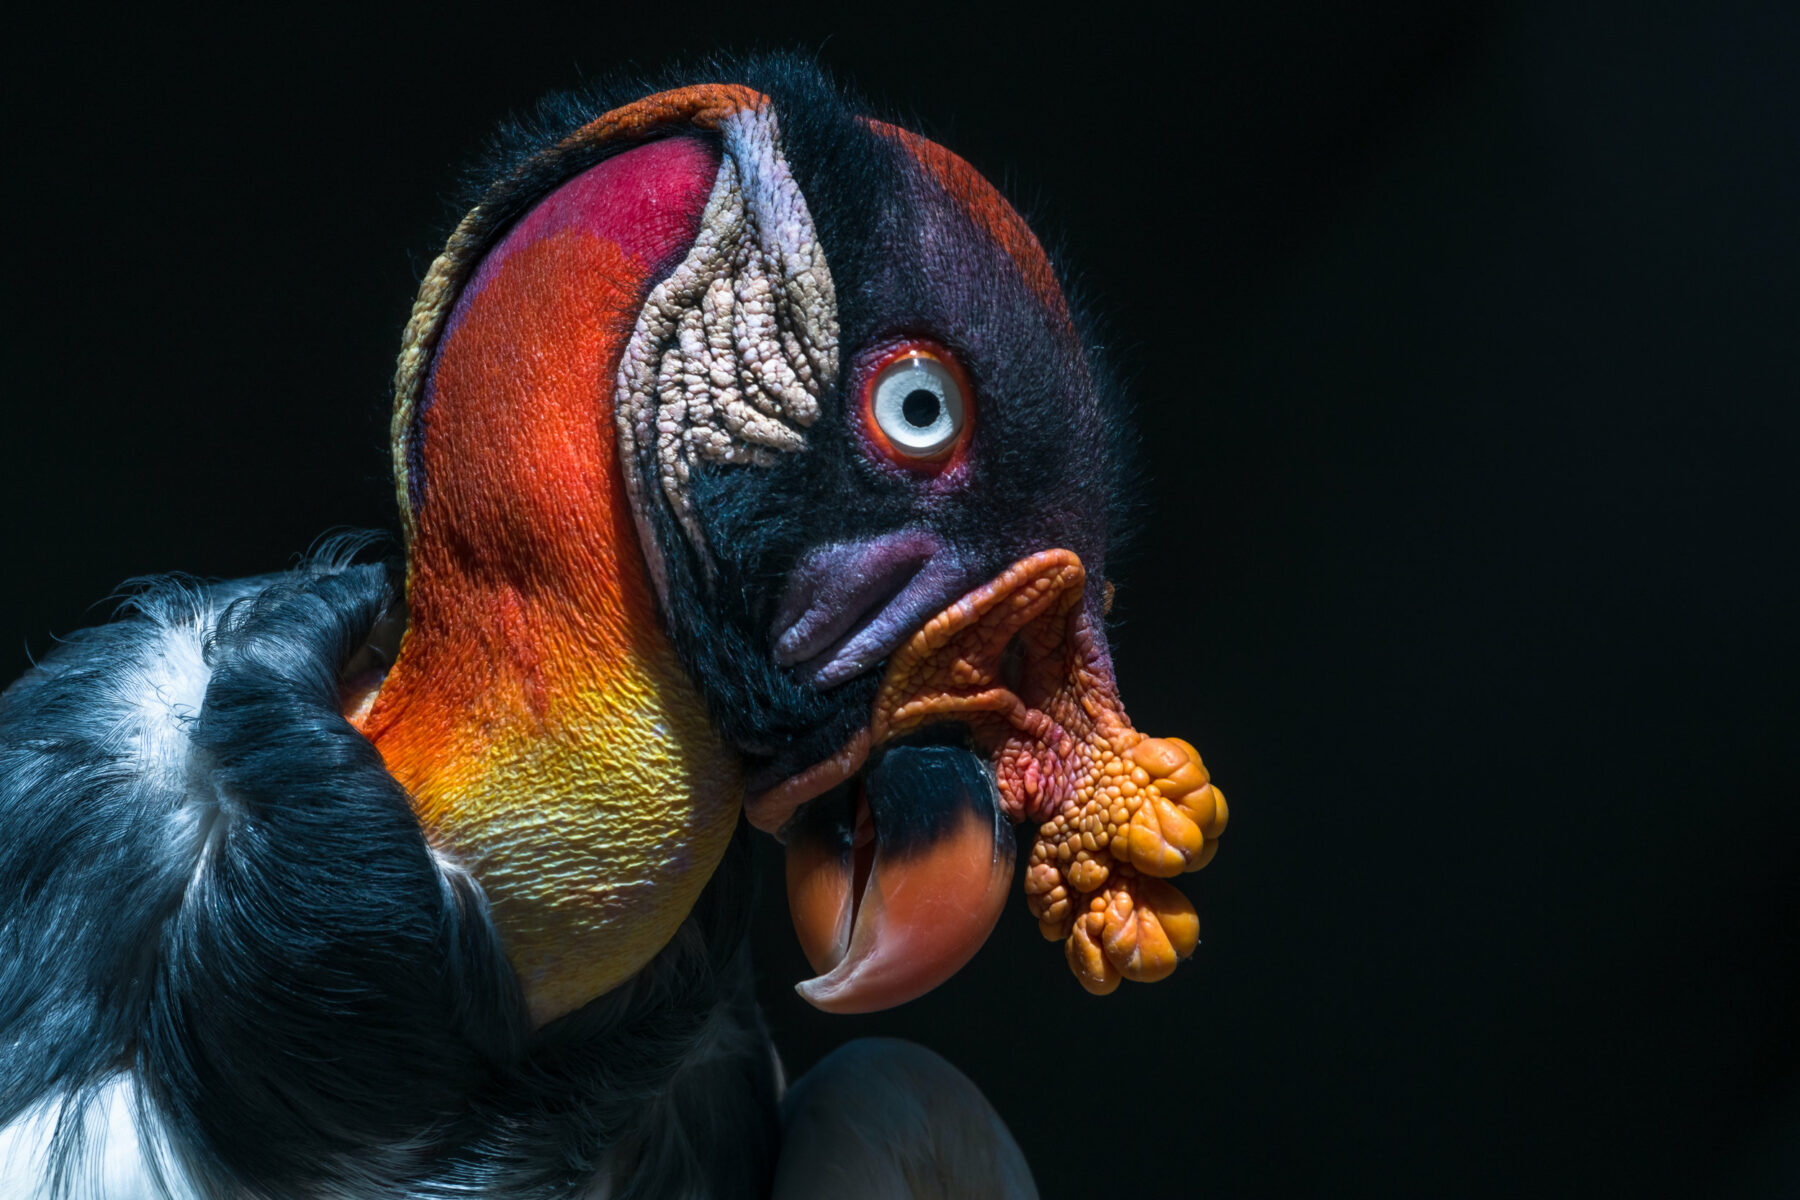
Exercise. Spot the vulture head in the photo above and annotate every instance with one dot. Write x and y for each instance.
(750, 457)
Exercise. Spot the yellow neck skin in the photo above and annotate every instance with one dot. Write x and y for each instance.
(581, 784)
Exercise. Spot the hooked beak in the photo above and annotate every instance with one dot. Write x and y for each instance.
(1001, 708)
(895, 880)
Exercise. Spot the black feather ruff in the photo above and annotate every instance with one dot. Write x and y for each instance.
(239, 909)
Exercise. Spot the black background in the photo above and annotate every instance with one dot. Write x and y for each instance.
(1464, 340)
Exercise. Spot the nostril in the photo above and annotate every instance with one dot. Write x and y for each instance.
(1012, 665)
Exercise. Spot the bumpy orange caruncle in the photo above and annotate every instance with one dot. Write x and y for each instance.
(1020, 662)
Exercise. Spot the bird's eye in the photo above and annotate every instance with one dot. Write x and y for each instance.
(917, 404)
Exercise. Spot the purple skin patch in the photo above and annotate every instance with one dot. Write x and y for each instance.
(851, 604)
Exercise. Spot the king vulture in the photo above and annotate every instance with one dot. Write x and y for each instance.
(753, 470)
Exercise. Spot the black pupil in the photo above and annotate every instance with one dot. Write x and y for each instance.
(920, 408)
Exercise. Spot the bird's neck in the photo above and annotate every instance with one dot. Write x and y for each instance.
(553, 747)
(551, 741)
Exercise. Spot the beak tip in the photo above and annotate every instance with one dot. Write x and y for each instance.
(810, 991)
(839, 991)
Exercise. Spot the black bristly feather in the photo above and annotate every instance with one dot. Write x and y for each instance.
(234, 900)
(323, 987)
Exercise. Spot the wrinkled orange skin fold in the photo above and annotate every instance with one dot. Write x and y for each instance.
(1020, 662)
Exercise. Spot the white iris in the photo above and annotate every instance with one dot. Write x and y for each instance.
(918, 405)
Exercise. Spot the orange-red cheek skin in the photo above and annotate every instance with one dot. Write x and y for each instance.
(536, 713)
(519, 596)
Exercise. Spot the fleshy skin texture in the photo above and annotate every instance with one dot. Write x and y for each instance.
(734, 347)
(1019, 661)
(549, 737)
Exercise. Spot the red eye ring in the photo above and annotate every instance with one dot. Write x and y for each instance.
(916, 406)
